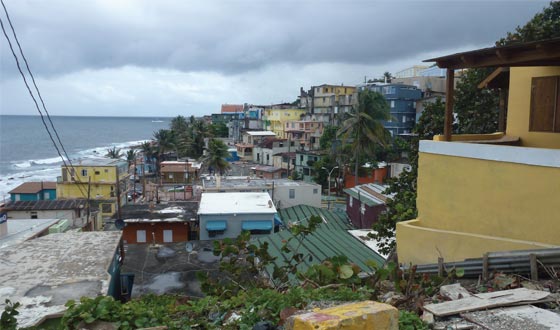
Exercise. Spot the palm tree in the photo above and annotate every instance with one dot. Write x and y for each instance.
(165, 141)
(131, 156)
(114, 153)
(216, 156)
(363, 127)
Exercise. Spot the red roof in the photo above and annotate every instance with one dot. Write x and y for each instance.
(32, 187)
(227, 108)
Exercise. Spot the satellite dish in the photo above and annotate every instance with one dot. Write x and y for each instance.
(189, 247)
(119, 223)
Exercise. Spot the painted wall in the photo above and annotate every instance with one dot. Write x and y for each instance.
(519, 105)
(365, 220)
(155, 231)
(234, 223)
(304, 194)
(507, 193)
(45, 194)
(488, 197)
(377, 175)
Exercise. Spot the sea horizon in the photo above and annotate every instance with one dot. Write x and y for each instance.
(28, 154)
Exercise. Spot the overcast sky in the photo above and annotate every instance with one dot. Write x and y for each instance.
(165, 58)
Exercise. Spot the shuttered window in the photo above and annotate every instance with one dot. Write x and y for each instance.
(545, 104)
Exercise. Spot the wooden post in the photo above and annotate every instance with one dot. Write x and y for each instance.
(485, 267)
(534, 267)
(448, 125)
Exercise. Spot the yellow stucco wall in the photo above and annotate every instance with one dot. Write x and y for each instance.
(519, 105)
(279, 117)
(419, 245)
(501, 199)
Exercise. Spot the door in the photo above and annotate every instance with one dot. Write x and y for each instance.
(140, 236)
(168, 236)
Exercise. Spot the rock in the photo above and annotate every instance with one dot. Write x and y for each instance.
(428, 317)
(454, 291)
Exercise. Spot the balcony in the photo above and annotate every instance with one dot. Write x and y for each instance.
(474, 198)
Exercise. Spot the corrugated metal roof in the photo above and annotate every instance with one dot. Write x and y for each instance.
(370, 194)
(57, 204)
(330, 239)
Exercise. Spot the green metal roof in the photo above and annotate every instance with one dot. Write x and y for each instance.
(330, 239)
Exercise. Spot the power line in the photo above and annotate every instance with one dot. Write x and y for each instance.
(33, 96)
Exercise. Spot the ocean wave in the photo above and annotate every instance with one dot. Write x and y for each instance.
(44, 161)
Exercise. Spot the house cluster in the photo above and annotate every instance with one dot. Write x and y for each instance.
(476, 193)
(284, 138)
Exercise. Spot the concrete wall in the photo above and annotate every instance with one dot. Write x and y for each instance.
(55, 214)
(519, 106)
(234, 223)
(481, 191)
(306, 195)
(155, 231)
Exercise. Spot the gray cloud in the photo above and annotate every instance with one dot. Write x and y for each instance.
(237, 36)
(163, 58)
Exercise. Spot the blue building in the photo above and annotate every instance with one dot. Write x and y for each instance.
(34, 191)
(402, 101)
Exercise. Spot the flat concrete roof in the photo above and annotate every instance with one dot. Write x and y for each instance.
(261, 133)
(98, 162)
(236, 203)
(242, 181)
(20, 230)
(44, 273)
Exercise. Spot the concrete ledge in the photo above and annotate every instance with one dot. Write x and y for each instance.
(419, 245)
(365, 315)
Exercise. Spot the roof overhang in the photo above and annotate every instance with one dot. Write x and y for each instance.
(536, 53)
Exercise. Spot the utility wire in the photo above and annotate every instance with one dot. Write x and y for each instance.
(35, 100)
(35, 84)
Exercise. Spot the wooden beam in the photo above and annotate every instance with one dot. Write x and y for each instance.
(448, 125)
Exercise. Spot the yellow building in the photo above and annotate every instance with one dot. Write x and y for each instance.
(275, 119)
(494, 192)
(97, 178)
(333, 99)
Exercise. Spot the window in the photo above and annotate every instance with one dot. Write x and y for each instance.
(392, 104)
(545, 105)
(140, 236)
(97, 173)
(106, 208)
(315, 191)
(214, 233)
(171, 175)
(168, 236)
(350, 200)
(84, 172)
(106, 171)
(34, 215)
(292, 193)
(46, 195)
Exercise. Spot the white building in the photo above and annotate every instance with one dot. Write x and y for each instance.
(224, 215)
(283, 192)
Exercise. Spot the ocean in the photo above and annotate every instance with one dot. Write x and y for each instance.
(27, 153)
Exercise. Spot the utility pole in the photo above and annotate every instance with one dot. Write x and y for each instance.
(118, 190)
(88, 198)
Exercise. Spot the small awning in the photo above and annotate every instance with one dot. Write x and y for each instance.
(216, 225)
(277, 220)
(257, 225)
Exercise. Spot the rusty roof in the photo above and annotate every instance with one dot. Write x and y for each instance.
(227, 108)
(33, 187)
